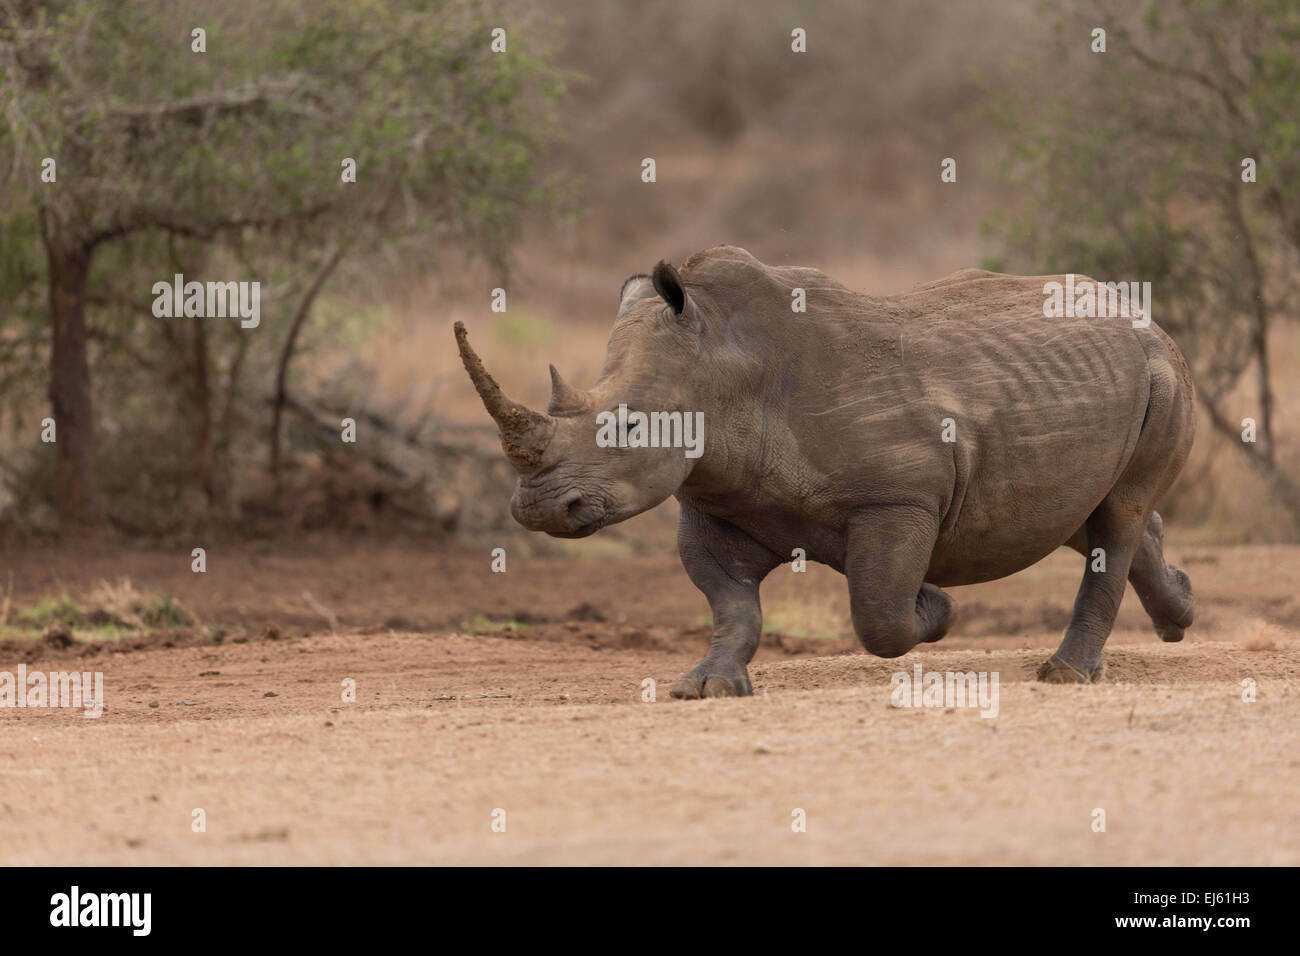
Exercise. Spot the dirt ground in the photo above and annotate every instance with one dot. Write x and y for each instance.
(522, 692)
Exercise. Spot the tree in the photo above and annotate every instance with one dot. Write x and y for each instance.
(229, 127)
(1174, 157)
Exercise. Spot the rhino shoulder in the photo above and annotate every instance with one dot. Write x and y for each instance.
(721, 262)
(725, 268)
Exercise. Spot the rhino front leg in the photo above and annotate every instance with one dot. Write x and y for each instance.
(728, 566)
(888, 552)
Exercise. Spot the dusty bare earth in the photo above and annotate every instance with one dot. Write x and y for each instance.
(522, 692)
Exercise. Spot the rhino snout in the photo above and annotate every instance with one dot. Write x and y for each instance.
(565, 512)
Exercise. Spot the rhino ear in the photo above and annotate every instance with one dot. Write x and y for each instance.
(669, 286)
(635, 288)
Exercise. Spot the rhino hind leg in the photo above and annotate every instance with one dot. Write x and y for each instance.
(1112, 529)
(1126, 527)
(1164, 589)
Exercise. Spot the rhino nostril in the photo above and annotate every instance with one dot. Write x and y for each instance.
(573, 505)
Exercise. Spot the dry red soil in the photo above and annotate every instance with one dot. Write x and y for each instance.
(455, 718)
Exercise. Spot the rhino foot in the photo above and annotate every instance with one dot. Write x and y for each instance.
(703, 682)
(943, 616)
(1170, 628)
(1169, 633)
(1056, 671)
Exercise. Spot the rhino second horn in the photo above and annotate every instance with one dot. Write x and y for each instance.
(565, 399)
(524, 432)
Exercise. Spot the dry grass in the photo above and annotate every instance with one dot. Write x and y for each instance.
(104, 611)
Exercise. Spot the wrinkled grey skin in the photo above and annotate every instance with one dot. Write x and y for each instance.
(823, 431)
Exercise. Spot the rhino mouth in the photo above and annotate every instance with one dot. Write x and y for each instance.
(567, 514)
(583, 531)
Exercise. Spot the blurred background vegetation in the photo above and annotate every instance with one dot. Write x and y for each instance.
(521, 170)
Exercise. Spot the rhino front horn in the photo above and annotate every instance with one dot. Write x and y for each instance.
(524, 432)
(565, 399)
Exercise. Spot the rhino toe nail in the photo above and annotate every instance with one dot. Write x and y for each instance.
(719, 687)
(1056, 671)
(686, 688)
(724, 687)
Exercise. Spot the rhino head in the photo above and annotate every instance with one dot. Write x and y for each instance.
(570, 484)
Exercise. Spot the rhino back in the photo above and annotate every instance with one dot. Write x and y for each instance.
(855, 395)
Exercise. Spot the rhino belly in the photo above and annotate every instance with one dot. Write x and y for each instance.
(1013, 515)
(1029, 473)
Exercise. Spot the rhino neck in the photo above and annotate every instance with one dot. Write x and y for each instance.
(731, 456)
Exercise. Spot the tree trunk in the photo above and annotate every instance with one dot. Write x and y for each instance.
(223, 474)
(1282, 488)
(76, 488)
(300, 314)
(201, 453)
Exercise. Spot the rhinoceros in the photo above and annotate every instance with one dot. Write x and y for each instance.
(950, 435)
